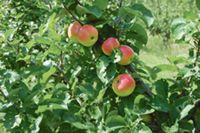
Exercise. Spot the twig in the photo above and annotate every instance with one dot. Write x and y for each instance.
(74, 17)
(131, 69)
(77, 1)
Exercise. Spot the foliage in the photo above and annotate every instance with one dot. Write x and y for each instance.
(50, 84)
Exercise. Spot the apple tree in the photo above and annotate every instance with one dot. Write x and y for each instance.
(51, 83)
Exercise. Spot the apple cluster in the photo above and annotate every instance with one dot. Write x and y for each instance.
(87, 35)
(123, 84)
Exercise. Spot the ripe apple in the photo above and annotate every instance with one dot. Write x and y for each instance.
(88, 35)
(109, 44)
(123, 85)
(73, 30)
(127, 55)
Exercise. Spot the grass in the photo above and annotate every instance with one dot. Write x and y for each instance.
(156, 53)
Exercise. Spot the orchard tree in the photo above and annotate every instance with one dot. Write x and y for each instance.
(73, 66)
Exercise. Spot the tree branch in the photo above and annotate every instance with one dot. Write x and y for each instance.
(77, 1)
(73, 16)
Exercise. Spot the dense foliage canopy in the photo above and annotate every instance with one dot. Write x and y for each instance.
(51, 84)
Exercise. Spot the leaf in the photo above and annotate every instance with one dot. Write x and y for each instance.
(148, 16)
(144, 129)
(101, 4)
(47, 74)
(198, 4)
(105, 69)
(79, 125)
(165, 67)
(36, 126)
(12, 120)
(173, 129)
(161, 88)
(140, 106)
(95, 112)
(138, 33)
(9, 33)
(160, 104)
(43, 40)
(54, 49)
(177, 60)
(114, 122)
(52, 106)
(88, 90)
(93, 10)
(185, 111)
(137, 36)
(187, 126)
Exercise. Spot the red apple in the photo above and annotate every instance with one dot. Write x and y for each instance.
(109, 44)
(73, 30)
(88, 35)
(127, 55)
(123, 85)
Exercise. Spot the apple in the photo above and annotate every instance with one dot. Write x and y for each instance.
(110, 44)
(88, 35)
(73, 30)
(123, 85)
(127, 55)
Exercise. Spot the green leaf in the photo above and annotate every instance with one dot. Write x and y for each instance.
(95, 112)
(148, 16)
(138, 33)
(79, 125)
(36, 126)
(187, 126)
(186, 110)
(12, 120)
(52, 106)
(9, 33)
(160, 104)
(140, 106)
(165, 67)
(144, 129)
(54, 49)
(101, 4)
(161, 88)
(93, 10)
(178, 59)
(198, 4)
(173, 129)
(105, 69)
(47, 74)
(88, 90)
(114, 122)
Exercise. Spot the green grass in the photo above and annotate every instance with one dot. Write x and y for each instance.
(156, 53)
